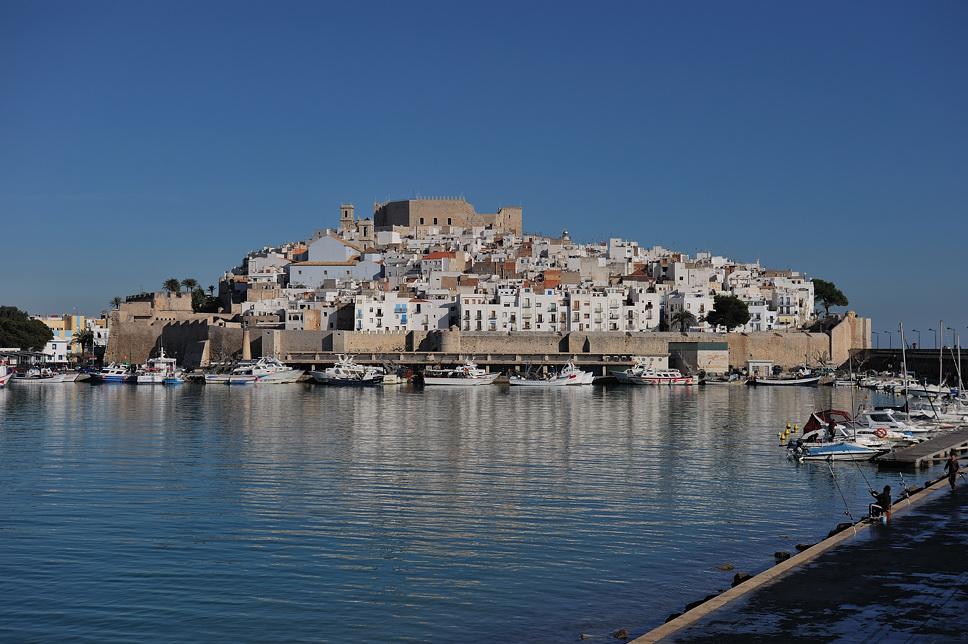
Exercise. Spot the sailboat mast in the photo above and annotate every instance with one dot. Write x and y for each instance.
(904, 369)
(940, 353)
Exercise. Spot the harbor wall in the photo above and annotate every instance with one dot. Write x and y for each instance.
(196, 342)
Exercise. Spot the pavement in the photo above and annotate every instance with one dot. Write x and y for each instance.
(904, 582)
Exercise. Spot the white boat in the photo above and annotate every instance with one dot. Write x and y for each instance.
(42, 376)
(346, 372)
(465, 375)
(844, 383)
(928, 391)
(639, 366)
(157, 371)
(800, 381)
(262, 371)
(652, 376)
(5, 374)
(569, 375)
(114, 372)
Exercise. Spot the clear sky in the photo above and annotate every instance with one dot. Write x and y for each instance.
(140, 141)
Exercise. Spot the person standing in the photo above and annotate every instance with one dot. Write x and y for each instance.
(952, 466)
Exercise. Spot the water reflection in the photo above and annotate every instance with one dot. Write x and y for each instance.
(295, 512)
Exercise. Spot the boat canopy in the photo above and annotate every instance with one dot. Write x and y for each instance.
(821, 419)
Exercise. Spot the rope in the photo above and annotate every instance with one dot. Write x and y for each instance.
(834, 477)
(859, 469)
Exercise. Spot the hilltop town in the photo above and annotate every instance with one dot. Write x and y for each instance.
(427, 264)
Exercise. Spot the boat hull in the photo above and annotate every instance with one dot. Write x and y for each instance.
(785, 382)
(648, 380)
(461, 382)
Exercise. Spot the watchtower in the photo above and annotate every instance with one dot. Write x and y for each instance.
(347, 219)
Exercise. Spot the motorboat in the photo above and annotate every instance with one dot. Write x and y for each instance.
(803, 378)
(832, 435)
(639, 366)
(346, 372)
(114, 372)
(263, 371)
(569, 375)
(731, 379)
(652, 376)
(465, 375)
(42, 376)
(156, 371)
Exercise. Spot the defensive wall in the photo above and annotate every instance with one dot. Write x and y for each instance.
(196, 343)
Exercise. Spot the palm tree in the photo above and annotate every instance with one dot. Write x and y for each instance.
(683, 319)
(85, 338)
(172, 285)
(116, 302)
(190, 284)
(211, 291)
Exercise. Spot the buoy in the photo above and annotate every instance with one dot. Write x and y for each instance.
(795, 428)
(788, 426)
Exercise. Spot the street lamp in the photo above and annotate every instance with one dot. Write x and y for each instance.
(952, 336)
(935, 338)
(877, 337)
(919, 337)
(890, 339)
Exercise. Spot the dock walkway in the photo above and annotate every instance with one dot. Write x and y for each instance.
(903, 582)
(920, 455)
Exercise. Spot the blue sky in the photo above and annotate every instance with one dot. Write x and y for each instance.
(140, 141)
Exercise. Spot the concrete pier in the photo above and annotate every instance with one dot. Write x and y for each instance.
(868, 582)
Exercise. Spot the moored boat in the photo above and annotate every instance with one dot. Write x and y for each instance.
(158, 371)
(114, 372)
(262, 371)
(653, 376)
(346, 372)
(569, 375)
(5, 374)
(465, 375)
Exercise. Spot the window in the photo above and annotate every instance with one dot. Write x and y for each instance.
(435, 221)
(421, 221)
(449, 221)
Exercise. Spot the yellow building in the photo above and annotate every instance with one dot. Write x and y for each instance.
(64, 327)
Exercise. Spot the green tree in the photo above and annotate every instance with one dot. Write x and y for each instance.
(116, 302)
(172, 285)
(17, 329)
(826, 294)
(683, 319)
(211, 291)
(85, 338)
(728, 311)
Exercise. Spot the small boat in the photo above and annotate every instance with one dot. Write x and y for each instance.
(569, 375)
(114, 372)
(653, 376)
(5, 374)
(465, 375)
(156, 371)
(347, 373)
(803, 379)
(732, 379)
(843, 383)
(42, 376)
(639, 366)
(262, 371)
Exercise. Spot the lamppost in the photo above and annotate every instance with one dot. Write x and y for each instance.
(890, 339)
(952, 336)
(919, 337)
(877, 337)
(935, 338)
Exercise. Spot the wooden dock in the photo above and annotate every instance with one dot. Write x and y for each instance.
(920, 455)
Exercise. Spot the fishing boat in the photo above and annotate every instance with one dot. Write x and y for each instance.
(731, 379)
(262, 371)
(156, 371)
(465, 375)
(639, 366)
(346, 372)
(42, 376)
(652, 376)
(114, 372)
(569, 375)
(803, 378)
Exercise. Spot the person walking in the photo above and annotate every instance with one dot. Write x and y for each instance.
(952, 467)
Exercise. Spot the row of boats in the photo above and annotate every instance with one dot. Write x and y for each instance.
(834, 435)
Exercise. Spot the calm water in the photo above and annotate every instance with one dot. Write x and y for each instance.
(293, 513)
